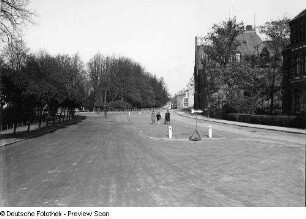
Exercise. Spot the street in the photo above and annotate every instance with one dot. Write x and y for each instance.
(109, 162)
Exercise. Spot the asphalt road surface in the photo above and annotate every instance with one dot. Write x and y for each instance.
(107, 162)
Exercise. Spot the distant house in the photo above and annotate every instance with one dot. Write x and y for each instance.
(173, 104)
(181, 101)
(168, 105)
(294, 68)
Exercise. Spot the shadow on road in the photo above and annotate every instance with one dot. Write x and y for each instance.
(43, 130)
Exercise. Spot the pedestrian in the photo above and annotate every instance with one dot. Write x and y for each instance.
(105, 112)
(167, 118)
(153, 117)
(158, 116)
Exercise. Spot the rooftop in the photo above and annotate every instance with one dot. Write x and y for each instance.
(303, 13)
(250, 42)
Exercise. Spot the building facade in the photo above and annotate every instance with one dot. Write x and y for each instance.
(190, 93)
(200, 77)
(294, 68)
(181, 101)
(251, 45)
(185, 98)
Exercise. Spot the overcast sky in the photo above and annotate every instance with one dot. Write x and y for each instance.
(159, 34)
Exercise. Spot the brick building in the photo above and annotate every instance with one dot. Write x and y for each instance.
(251, 45)
(294, 68)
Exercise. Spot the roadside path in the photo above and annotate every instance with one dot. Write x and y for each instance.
(242, 124)
(7, 137)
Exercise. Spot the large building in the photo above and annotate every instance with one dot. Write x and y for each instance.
(251, 45)
(200, 81)
(294, 69)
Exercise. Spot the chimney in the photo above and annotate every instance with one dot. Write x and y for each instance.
(248, 28)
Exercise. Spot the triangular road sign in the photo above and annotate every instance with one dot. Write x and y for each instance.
(195, 136)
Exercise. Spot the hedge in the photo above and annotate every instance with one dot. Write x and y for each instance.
(275, 120)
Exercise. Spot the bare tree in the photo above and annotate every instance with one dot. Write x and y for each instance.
(15, 54)
(14, 14)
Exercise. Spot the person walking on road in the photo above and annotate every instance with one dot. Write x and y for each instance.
(105, 112)
(153, 117)
(158, 117)
(167, 118)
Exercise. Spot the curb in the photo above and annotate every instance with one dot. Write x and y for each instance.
(248, 125)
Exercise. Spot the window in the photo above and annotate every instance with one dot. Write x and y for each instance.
(297, 66)
(230, 59)
(297, 101)
(238, 57)
(186, 102)
(304, 64)
(292, 66)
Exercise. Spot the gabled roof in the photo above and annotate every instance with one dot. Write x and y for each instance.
(303, 13)
(250, 41)
(191, 81)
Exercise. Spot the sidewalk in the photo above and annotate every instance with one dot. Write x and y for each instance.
(7, 137)
(242, 124)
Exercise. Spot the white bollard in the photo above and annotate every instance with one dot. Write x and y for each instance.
(129, 113)
(170, 131)
(210, 131)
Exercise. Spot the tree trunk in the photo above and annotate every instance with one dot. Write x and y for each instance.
(39, 118)
(29, 124)
(272, 95)
(122, 93)
(0, 109)
(105, 97)
(15, 127)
